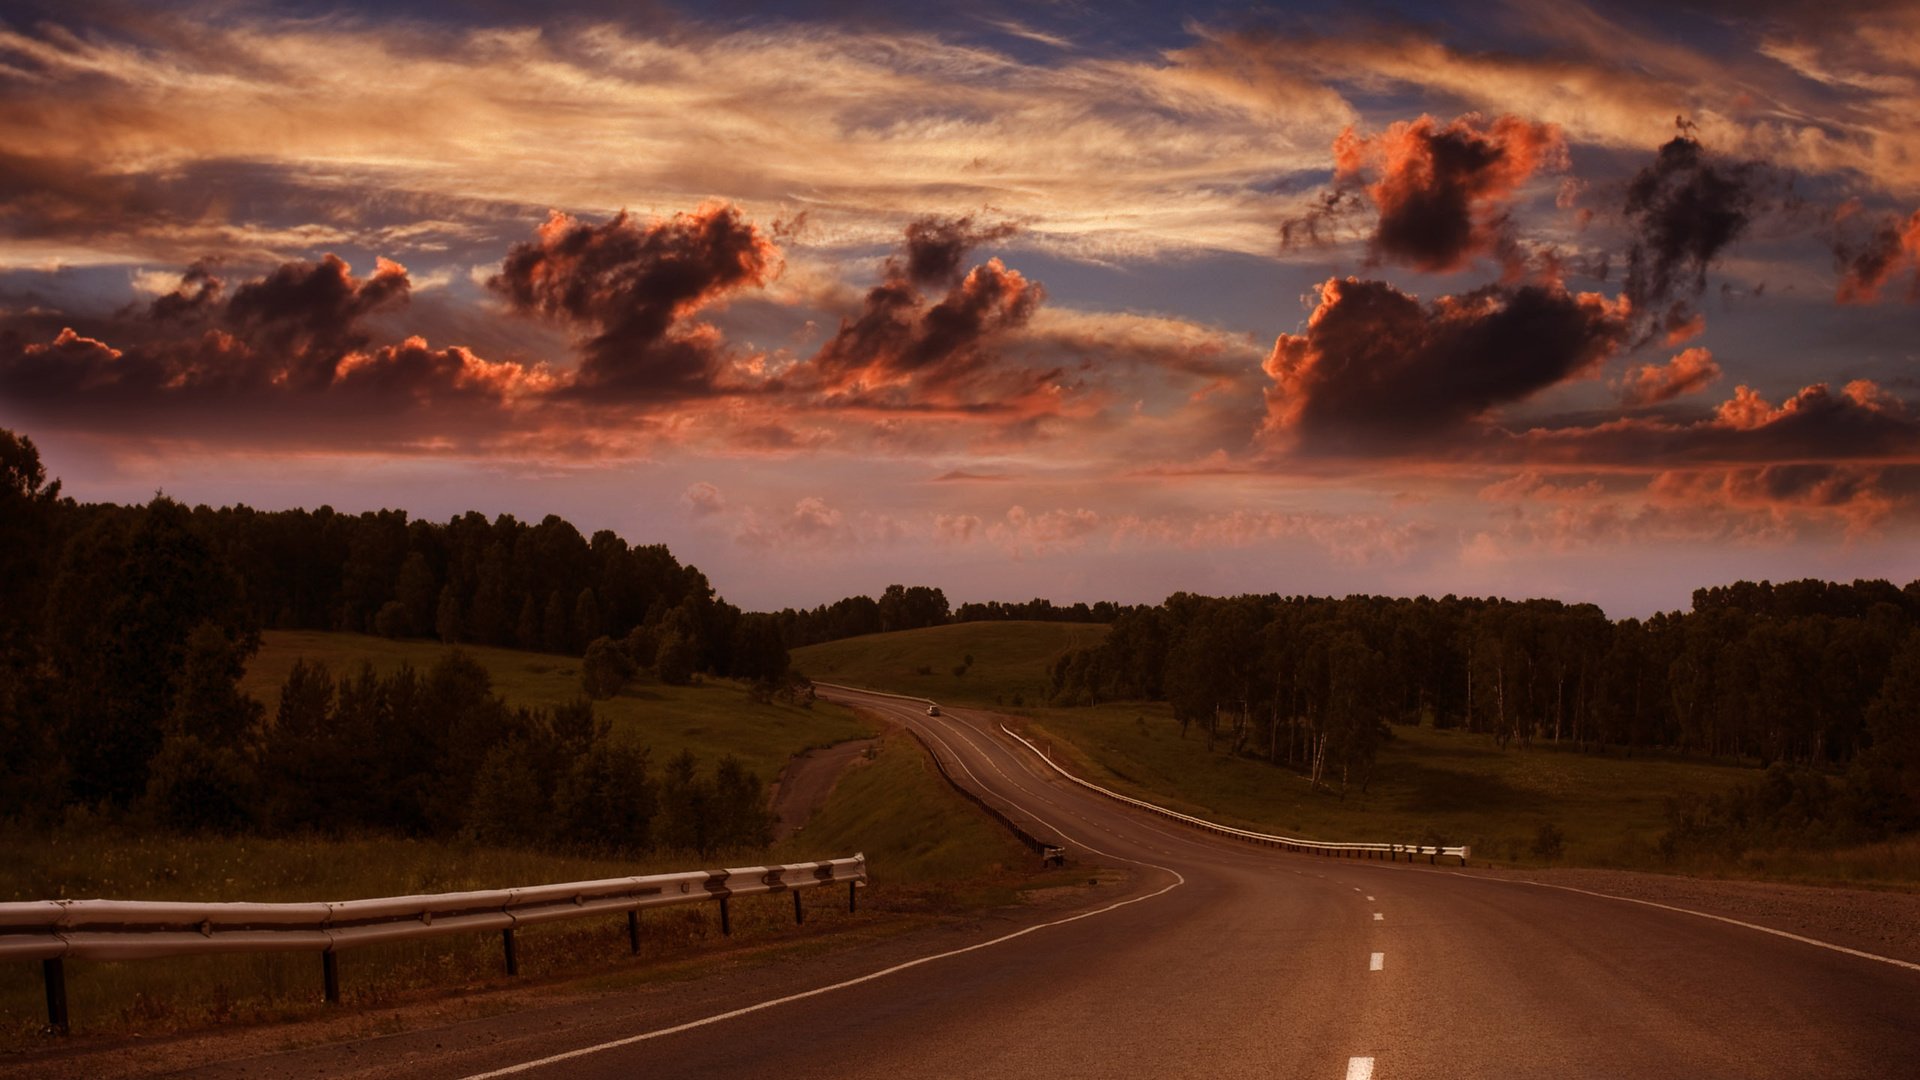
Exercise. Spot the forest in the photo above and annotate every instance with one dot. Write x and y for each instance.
(124, 632)
(1809, 678)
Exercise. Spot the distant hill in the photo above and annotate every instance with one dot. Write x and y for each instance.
(1010, 660)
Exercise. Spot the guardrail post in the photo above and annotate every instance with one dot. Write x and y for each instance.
(799, 913)
(1432, 856)
(726, 926)
(54, 971)
(513, 954)
(851, 885)
(633, 931)
(330, 977)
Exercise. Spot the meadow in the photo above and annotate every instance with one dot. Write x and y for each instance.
(1009, 669)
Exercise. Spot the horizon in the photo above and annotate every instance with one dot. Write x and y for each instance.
(1601, 303)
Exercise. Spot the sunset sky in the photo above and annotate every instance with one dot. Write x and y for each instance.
(1083, 301)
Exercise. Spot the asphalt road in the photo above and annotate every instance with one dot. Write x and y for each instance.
(1227, 960)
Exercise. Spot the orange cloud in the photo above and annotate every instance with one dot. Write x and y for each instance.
(1442, 191)
(1651, 384)
(1378, 370)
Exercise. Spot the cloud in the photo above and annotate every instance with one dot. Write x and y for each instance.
(1442, 192)
(1862, 423)
(1867, 264)
(937, 247)
(1376, 370)
(1651, 384)
(904, 349)
(1023, 534)
(1352, 539)
(283, 359)
(632, 287)
(1852, 495)
(308, 313)
(1685, 209)
(703, 499)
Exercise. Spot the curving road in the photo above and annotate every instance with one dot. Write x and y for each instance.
(1227, 960)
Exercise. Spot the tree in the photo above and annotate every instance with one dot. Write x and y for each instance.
(586, 621)
(607, 801)
(605, 670)
(446, 619)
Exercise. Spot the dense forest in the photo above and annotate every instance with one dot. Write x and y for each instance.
(1805, 676)
(124, 631)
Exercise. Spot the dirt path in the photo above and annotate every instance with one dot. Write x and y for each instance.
(807, 781)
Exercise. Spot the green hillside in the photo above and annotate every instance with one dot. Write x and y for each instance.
(711, 720)
(1010, 660)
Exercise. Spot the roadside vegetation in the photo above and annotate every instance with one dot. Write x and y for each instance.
(1530, 792)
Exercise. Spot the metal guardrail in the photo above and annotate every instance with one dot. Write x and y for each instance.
(1392, 852)
(53, 931)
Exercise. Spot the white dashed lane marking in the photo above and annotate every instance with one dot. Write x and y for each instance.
(1378, 961)
(1378, 917)
(1360, 1068)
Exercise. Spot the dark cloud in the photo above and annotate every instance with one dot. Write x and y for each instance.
(1440, 192)
(633, 285)
(944, 351)
(196, 296)
(1868, 263)
(1860, 422)
(1685, 209)
(1377, 370)
(283, 361)
(938, 247)
(308, 314)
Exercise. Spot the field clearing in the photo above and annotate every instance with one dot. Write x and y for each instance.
(1009, 670)
(711, 720)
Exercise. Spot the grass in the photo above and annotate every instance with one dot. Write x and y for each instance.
(1010, 660)
(710, 720)
(930, 854)
(1456, 786)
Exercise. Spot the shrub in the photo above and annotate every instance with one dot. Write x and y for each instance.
(192, 786)
(1548, 842)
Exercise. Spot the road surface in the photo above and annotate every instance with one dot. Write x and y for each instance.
(1227, 960)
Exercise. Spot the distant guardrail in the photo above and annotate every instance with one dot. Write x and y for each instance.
(53, 931)
(1390, 852)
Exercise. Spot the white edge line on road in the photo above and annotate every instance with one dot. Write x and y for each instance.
(1360, 1068)
(1377, 961)
(704, 1021)
(884, 972)
(1816, 942)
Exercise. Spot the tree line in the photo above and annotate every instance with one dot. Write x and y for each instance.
(125, 630)
(1811, 674)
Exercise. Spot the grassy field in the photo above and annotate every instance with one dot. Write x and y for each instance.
(1010, 660)
(930, 854)
(1452, 785)
(711, 720)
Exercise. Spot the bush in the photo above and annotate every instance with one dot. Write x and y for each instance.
(508, 806)
(605, 670)
(192, 786)
(606, 800)
(1548, 842)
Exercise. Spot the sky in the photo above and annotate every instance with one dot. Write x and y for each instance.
(1601, 302)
